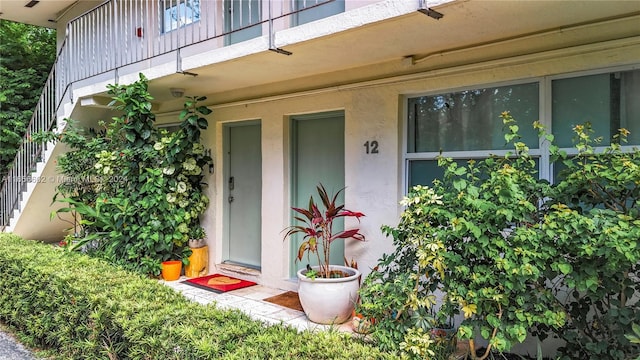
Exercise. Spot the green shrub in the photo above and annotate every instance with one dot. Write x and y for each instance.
(516, 256)
(139, 190)
(84, 308)
(594, 219)
(471, 237)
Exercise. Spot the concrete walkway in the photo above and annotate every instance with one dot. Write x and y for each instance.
(10, 349)
(250, 300)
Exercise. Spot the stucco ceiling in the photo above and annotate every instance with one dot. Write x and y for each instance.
(43, 13)
(377, 50)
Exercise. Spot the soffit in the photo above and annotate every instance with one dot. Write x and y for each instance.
(45, 13)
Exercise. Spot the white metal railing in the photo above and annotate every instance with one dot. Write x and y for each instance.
(123, 32)
(120, 33)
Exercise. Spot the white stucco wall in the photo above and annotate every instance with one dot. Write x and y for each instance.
(37, 202)
(375, 182)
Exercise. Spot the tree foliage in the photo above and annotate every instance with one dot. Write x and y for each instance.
(27, 53)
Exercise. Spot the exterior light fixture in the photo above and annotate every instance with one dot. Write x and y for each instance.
(32, 3)
(425, 9)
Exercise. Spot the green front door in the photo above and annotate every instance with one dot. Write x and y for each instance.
(243, 190)
(317, 157)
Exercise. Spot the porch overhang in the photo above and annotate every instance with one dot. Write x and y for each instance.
(44, 13)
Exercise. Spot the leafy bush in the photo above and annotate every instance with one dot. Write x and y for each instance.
(137, 188)
(594, 219)
(84, 308)
(515, 255)
(472, 238)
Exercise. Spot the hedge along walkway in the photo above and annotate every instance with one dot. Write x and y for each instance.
(81, 308)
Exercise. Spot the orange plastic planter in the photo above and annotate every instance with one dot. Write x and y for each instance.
(171, 270)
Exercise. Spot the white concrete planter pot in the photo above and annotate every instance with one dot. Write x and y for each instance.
(197, 243)
(329, 301)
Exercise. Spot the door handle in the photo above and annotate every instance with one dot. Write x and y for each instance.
(230, 199)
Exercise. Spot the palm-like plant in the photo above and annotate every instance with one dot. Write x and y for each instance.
(318, 228)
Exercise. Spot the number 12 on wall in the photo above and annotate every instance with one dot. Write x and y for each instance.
(371, 147)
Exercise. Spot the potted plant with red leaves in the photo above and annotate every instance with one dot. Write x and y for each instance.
(327, 292)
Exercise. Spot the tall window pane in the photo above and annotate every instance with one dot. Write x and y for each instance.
(608, 101)
(423, 172)
(580, 100)
(630, 104)
(470, 120)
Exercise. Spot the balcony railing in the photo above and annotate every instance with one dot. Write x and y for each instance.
(120, 33)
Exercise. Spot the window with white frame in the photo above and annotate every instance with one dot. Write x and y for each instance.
(608, 101)
(178, 13)
(466, 124)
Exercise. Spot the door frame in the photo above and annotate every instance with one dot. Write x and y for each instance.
(226, 160)
(292, 175)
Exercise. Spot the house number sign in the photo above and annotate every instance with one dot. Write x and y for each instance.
(371, 147)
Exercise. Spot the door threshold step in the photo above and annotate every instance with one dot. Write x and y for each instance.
(239, 269)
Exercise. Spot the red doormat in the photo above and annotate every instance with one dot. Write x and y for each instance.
(288, 299)
(219, 283)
